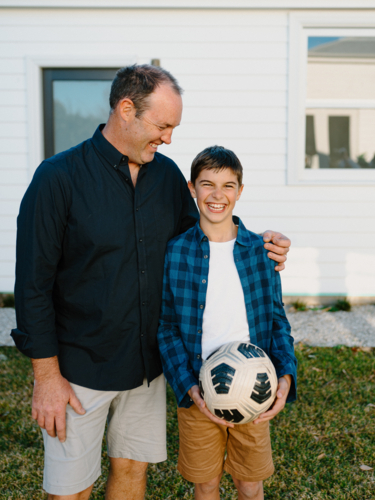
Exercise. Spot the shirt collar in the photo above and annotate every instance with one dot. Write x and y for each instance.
(243, 235)
(105, 148)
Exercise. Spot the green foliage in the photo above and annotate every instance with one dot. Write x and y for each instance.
(319, 442)
(299, 305)
(341, 305)
(361, 160)
(8, 300)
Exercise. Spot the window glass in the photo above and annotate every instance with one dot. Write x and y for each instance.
(76, 101)
(78, 108)
(340, 109)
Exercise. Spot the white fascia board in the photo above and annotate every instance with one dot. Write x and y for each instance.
(192, 4)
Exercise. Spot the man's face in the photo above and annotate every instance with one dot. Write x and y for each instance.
(154, 127)
(216, 194)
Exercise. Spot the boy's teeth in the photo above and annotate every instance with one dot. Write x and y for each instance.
(216, 207)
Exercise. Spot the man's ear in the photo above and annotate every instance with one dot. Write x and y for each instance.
(126, 109)
(239, 192)
(192, 189)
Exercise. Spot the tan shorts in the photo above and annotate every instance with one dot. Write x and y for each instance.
(203, 444)
(136, 430)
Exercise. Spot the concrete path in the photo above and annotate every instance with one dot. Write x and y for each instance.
(7, 322)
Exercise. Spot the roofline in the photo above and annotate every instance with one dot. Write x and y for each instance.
(194, 4)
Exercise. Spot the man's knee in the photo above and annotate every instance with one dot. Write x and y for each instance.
(130, 468)
(249, 490)
(208, 486)
(83, 495)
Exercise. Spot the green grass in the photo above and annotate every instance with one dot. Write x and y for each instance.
(319, 443)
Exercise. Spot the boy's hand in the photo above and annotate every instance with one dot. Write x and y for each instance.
(195, 395)
(282, 393)
(278, 244)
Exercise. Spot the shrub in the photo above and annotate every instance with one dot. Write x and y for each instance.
(299, 305)
(8, 300)
(341, 305)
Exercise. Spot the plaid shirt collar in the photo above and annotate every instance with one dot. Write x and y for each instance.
(243, 236)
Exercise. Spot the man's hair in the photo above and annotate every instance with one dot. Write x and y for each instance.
(137, 82)
(216, 158)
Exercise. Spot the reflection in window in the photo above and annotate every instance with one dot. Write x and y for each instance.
(340, 111)
(76, 101)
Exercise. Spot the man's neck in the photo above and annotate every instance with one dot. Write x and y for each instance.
(219, 233)
(112, 133)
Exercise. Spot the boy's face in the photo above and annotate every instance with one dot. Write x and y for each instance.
(216, 194)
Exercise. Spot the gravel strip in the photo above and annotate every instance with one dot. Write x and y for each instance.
(316, 328)
(7, 322)
(321, 328)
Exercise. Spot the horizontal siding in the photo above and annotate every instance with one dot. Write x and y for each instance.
(233, 67)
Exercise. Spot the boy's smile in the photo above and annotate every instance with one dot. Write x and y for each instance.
(216, 193)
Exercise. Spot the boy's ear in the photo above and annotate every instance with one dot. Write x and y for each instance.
(239, 192)
(192, 189)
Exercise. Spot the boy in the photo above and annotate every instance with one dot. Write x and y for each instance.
(219, 286)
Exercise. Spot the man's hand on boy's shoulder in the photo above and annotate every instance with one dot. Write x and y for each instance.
(281, 395)
(195, 395)
(278, 246)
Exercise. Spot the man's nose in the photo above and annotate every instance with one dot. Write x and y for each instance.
(167, 136)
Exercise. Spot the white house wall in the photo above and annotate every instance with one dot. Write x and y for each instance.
(233, 66)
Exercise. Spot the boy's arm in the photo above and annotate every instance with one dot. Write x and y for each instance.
(282, 356)
(175, 359)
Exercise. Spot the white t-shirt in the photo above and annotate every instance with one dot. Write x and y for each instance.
(224, 317)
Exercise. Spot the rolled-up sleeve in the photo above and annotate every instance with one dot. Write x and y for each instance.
(41, 225)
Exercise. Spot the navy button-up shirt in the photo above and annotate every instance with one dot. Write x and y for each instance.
(184, 298)
(90, 253)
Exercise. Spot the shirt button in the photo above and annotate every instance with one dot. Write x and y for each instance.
(143, 303)
(140, 239)
(137, 209)
(142, 272)
(123, 158)
(204, 281)
(141, 334)
(199, 331)
(205, 238)
(198, 356)
(201, 306)
(206, 257)
(127, 180)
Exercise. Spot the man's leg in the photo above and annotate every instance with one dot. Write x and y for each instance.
(127, 480)
(208, 490)
(83, 495)
(249, 491)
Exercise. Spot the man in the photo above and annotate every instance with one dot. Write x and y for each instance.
(92, 231)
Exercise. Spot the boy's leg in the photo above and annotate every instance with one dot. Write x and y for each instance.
(249, 459)
(208, 490)
(202, 448)
(249, 491)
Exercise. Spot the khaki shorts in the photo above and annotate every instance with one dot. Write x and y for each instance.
(136, 430)
(203, 444)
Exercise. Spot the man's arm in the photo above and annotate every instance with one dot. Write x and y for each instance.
(52, 392)
(278, 246)
(41, 225)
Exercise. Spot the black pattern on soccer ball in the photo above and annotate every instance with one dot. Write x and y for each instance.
(222, 376)
(250, 351)
(230, 415)
(262, 387)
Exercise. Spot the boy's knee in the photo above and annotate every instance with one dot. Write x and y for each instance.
(208, 486)
(249, 490)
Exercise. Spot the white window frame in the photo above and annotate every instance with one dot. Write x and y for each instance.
(301, 26)
(35, 122)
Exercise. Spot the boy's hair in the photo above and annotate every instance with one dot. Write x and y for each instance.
(216, 158)
(137, 82)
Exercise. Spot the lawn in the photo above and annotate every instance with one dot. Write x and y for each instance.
(320, 442)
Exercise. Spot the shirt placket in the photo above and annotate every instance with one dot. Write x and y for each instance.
(202, 294)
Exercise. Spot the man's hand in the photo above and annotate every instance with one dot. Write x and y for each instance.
(195, 395)
(52, 392)
(282, 393)
(278, 246)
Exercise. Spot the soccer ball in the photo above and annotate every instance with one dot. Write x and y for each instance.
(238, 382)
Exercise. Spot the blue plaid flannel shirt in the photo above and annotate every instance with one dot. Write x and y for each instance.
(184, 297)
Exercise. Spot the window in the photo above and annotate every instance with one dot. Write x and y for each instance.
(75, 102)
(332, 99)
